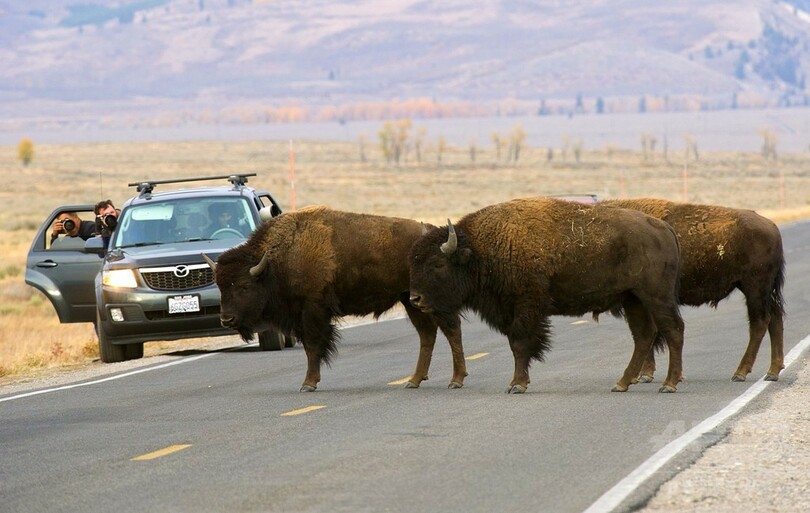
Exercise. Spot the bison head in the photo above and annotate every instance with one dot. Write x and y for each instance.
(243, 293)
(440, 271)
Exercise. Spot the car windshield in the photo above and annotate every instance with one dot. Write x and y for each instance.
(184, 220)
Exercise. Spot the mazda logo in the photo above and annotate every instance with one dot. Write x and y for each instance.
(181, 271)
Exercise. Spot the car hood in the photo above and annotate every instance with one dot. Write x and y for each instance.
(164, 254)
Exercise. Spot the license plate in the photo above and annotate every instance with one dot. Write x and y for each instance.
(184, 304)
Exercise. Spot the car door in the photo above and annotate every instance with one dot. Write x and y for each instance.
(64, 270)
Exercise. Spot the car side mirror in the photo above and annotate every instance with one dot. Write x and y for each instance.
(94, 245)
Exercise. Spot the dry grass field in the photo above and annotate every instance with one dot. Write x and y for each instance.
(334, 174)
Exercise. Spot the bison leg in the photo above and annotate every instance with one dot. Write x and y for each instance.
(453, 334)
(776, 331)
(426, 327)
(668, 319)
(757, 326)
(520, 379)
(647, 368)
(643, 330)
(318, 338)
(528, 338)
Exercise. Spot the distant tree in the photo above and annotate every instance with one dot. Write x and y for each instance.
(516, 138)
(473, 150)
(600, 105)
(769, 140)
(25, 151)
(496, 139)
(441, 146)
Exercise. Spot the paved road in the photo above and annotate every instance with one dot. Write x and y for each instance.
(214, 430)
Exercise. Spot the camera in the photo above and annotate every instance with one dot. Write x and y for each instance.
(106, 223)
(68, 225)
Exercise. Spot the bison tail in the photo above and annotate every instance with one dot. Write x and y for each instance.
(776, 301)
(659, 343)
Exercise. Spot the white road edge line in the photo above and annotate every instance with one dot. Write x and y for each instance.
(108, 378)
(157, 367)
(616, 495)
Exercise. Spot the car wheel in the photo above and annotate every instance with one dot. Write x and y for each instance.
(134, 351)
(108, 352)
(271, 340)
(289, 341)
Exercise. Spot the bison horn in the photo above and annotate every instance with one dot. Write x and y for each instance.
(210, 262)
(424, 228)
(257, 269)
(449, 247)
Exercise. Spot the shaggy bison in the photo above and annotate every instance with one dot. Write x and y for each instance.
(723, 249)
(519, 262)
(302, 270)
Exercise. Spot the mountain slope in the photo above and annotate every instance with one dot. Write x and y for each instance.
(151, 57)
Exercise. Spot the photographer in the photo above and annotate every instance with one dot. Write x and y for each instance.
(106, 219)
(70, 224)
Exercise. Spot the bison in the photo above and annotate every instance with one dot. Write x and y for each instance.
(300, 271)
(519, 262)
(723, 249)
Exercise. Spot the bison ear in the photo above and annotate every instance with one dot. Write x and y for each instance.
(463, 256)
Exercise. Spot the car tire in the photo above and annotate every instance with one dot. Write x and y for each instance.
(134, 351)
(107, 351)
(289, 341)
(272, 340)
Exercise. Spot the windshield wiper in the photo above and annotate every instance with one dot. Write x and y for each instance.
(141, 244)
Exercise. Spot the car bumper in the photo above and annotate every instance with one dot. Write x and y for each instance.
(143, 315)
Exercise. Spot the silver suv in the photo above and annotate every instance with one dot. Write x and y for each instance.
(151, 282)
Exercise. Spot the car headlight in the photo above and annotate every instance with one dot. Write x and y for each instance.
(121, 278)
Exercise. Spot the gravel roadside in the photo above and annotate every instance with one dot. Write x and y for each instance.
(762, 465)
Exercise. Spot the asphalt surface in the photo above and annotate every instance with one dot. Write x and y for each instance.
(217, 433)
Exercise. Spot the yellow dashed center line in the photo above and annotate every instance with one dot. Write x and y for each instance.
(302, 410)
(400, 381)
(476, 356)
(580, 322)
(162, 452)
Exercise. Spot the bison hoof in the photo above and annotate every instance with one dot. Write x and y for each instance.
(645, 379)
(771, 377)
(307, 388)
(411, 384)
(737, 378)
(667, 389)
(455, 384)
(618, 388)
(516, 389)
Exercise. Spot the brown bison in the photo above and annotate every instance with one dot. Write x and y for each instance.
(723, 249)
(519, 262)
(300, 271)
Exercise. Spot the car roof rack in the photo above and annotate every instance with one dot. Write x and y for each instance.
(147, 186)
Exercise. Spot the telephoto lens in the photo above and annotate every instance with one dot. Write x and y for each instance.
(68, 225)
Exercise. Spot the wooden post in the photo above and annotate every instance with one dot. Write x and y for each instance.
(292, 178)
(686, 183)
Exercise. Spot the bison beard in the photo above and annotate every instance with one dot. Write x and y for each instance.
(300, 271)
(722, 249)
(518, 263)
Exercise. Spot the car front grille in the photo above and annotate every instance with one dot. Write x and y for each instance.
(180, 277)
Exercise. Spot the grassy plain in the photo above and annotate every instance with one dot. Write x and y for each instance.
(345, 176)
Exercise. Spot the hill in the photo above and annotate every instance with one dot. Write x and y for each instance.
(170, 62)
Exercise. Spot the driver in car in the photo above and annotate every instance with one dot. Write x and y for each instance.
(221, 218)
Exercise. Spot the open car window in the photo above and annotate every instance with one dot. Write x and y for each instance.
(63, 241)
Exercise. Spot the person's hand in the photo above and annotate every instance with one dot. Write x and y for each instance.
(57, 229)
